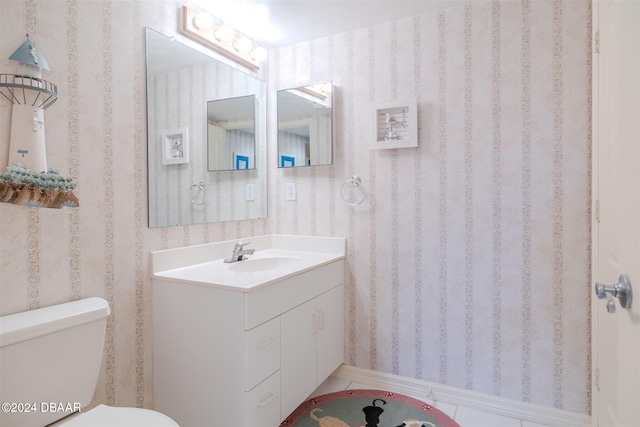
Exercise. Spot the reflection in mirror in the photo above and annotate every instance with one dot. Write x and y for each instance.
(305, 126)
(231, 133)
(181, 82)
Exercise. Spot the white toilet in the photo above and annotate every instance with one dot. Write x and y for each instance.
(49, 364)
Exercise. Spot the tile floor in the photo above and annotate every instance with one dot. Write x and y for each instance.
(466, 417)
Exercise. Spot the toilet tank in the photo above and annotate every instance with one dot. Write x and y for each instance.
(50, 361)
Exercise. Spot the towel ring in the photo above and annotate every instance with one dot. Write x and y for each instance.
(357, 182)
(204, 194)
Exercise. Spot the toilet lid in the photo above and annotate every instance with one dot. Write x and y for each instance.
(112, 416)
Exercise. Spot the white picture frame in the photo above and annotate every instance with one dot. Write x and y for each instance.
(394, 124)
(175, 146)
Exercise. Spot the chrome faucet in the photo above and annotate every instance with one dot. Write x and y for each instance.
(239, 252)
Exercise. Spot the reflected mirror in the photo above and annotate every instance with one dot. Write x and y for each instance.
(305, 126)
(231, 133)
(182, 83)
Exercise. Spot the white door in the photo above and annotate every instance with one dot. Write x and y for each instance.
(616, 190)
(218, 158)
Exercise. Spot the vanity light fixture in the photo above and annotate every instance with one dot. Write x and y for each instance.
(203, 21)
(259, 54)
(243, 45)
(201, 27)
(224, 33)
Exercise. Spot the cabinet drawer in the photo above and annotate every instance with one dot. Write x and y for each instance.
(262, 352)
(270, 301)
(263, 403)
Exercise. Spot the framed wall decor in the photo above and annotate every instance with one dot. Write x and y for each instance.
(395, 124)
(175, 146)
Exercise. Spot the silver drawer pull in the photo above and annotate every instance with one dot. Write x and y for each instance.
(267, 343)
(269, 399)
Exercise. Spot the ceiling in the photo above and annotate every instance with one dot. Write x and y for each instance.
(302, 20)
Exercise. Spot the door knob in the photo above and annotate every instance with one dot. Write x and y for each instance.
(621, 290)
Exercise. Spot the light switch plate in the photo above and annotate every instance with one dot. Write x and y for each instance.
(250, 192)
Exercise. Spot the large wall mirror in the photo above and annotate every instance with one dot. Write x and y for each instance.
(305, 125)
(184, 87)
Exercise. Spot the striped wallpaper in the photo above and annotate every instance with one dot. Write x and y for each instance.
(172, 187)
(468, 262)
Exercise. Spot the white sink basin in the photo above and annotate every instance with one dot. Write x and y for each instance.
(262, 264)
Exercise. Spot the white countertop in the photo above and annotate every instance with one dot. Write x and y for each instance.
(276, 257)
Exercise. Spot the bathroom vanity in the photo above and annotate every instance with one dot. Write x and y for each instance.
(244, 343)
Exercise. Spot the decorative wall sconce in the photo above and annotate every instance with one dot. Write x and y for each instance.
(201, 26)
(28, 180)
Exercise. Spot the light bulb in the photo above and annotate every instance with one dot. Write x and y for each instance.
(203, 21)
(259, 54)
(224, 33)
(243, 45)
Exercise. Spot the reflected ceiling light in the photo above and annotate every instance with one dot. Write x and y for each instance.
(315, 90)
(203, 21)
(221, 38)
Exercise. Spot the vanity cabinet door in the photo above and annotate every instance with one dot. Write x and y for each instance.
(298, 355)
(330, 339)
(312, 346)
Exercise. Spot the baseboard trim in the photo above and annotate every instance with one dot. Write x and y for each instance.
(455, 396)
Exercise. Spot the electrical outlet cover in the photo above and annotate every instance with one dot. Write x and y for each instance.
(291, 191)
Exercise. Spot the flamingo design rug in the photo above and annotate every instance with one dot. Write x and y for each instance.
(366, 408)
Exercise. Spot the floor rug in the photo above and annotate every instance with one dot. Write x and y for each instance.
(366, 408)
